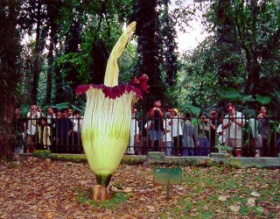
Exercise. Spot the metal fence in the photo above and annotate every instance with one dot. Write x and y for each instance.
(58, 135)
(175, 136)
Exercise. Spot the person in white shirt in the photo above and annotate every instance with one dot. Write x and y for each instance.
(221, 135)
(167, 138)
(134, 133)
(148, 128)
(50, 116)
(233, 123)
(176, 131)
(32, 116)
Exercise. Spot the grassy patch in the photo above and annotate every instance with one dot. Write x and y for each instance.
(42, 153)
(72, 158)
(205, 187)
(117, 199)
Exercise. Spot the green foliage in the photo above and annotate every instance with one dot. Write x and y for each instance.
(235, 62)
(192, 109)
(223, 148)
(72, 158)
(230, 93)
(127, 62)
(60, 106)
(78, 104)
(46, 154)
(263, 100)
(82, 35)
(24, 109)
(42, 153)
(80, 61)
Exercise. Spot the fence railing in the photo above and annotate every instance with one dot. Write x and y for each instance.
(174, 136)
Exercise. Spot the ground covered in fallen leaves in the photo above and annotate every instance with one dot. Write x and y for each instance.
(35, 188)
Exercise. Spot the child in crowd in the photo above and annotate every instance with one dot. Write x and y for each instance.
(44, 133)
(156, 114)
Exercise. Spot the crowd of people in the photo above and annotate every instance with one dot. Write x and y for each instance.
(163, 130)
(182, 135)
(57, 130)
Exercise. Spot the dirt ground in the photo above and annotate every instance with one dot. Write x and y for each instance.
(34, 188)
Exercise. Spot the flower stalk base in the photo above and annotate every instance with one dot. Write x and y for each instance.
(100, 193)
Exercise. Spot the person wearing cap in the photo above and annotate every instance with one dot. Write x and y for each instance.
(233, 123)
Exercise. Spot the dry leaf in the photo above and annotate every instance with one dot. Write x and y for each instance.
(151, 208)
(49, 189)
(260, 209)
(234, 208)
(251, 202)
(255, 194)
(128, 190)
(222, 198)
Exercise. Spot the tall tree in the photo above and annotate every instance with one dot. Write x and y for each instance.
(226, 42)
(53, 16)
(9, 68)
(251, 30)
(258, 27)
(37, 60)
(89, 37)
(239, 61)
(147, 28)
(33, 19)
(168, 34)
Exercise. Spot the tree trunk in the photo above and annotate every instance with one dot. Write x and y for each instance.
(50, 71)
(170, 54)
(9, 76)
(37, 63)
(146, 18)
(253, 79)
(6, 128)
(226, 42)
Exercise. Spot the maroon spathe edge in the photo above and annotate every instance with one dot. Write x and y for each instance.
(136, 85)
(111, 92)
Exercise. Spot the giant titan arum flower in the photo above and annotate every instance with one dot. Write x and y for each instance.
(106, 123)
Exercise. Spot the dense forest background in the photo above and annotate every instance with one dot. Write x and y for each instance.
(49, 47)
